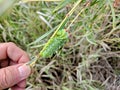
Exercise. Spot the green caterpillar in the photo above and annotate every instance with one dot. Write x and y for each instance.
(54, 43)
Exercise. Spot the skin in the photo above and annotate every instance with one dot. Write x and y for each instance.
(116, 3)
(11, 55)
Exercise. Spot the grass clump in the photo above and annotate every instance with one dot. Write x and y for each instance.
(88, 61)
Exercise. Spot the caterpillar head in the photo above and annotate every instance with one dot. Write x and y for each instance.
(62, 34)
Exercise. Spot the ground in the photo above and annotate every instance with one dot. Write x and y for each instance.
(90, 58)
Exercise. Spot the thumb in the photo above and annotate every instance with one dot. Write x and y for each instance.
(12, 75)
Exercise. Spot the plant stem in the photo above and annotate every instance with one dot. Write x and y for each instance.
(87, 4)
(61, 26)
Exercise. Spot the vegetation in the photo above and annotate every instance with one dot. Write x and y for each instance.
(90, 58)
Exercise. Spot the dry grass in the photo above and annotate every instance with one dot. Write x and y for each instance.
(88, 61)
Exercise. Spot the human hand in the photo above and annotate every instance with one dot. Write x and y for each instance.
(13, 71)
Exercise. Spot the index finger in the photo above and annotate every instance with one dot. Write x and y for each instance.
(10, 50)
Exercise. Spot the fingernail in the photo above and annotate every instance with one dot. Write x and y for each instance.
(24, 71)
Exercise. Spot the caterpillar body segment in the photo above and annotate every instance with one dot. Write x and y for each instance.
(54, 43)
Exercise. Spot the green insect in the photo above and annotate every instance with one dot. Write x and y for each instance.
(54, 43)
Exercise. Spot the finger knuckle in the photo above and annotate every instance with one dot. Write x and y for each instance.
(11, 44)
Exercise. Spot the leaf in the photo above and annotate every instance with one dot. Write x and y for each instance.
(63, 4)
(5, 5)
(91, 38)
(41, 37)
(65, 88)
